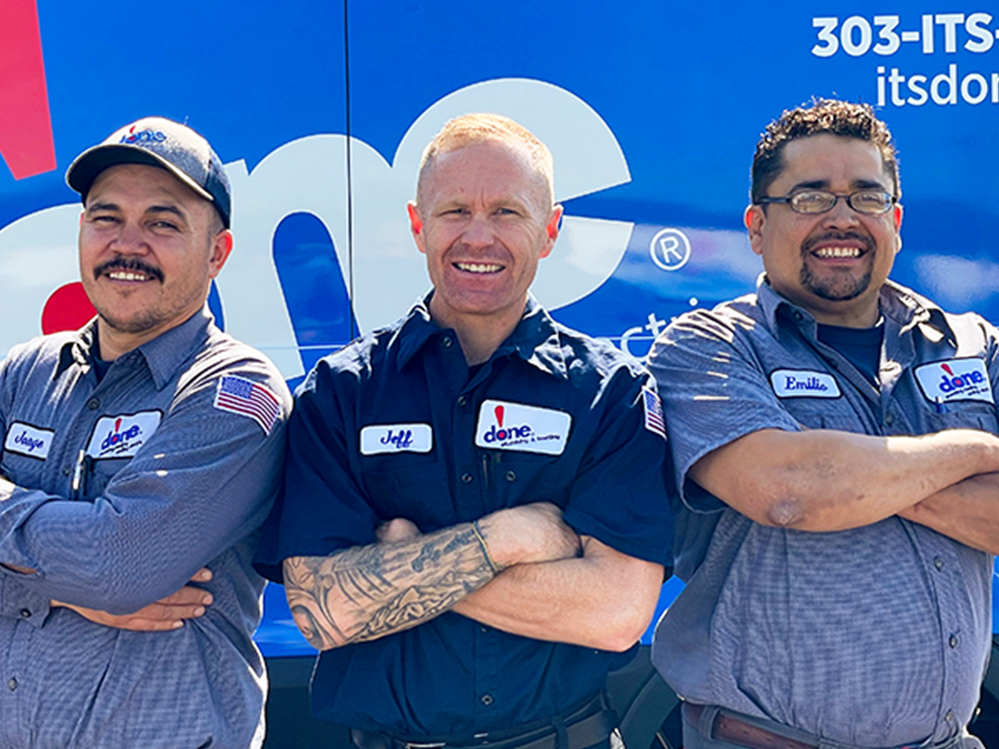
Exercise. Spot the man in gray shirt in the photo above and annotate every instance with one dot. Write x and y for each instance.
(140, 455)
(833, 440)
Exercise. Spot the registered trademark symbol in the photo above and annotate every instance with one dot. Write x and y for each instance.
(670, 249)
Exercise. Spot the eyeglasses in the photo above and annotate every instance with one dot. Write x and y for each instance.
(811, 202)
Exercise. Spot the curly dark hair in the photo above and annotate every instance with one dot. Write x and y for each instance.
(823, 116)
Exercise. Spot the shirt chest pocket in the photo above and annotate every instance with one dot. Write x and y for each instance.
(100, 474)
(823, 413)
(960, 415)
(411, 486)
(518, 478)
(28, 472)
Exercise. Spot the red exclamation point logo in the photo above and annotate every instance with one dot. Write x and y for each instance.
(117, 425)
(947, 369)
(501, 434)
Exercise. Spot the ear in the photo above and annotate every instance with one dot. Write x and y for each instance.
(221, 247)
(755, 218)
(897, 215)
(552, 229)
(416, 225)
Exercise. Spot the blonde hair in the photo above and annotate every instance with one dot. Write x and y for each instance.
(481, 127)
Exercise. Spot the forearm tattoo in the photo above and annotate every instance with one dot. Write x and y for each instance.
(369, 591)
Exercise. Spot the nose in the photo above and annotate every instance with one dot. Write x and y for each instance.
(129, 240)
(841, 214)
(478, 232)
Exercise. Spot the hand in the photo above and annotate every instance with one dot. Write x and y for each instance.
(529, 533)
(397, 530)
(165, 614)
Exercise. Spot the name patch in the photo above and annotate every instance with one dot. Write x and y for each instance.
(514, 426)
(955, 380)
(122, 436)
(397, 438)
(25, 439)
(798, 383)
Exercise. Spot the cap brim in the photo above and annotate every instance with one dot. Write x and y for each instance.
(89, 165)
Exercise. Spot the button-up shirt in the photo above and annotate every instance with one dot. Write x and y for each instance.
(394, 426)
(876, 636)
(120, 491)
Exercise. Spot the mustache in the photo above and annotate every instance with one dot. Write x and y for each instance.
(131, 264)
(809, 244)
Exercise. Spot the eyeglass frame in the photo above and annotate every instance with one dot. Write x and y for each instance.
(892, 201)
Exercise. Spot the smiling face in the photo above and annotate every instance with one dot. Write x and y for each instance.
(149, 247)
(484, 220)
(832, 264)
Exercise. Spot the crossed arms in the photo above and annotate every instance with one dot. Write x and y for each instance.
(826, 480)
(521, 570)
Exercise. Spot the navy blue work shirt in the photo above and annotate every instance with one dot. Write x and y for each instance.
(452, 675)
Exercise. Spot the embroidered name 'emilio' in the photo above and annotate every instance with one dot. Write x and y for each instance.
(798, 383)
(809, 383)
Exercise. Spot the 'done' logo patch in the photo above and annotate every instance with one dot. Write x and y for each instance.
(504, 425)
(122, 436)
(955, 380)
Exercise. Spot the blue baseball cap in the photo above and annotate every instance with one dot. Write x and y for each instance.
(156, 141)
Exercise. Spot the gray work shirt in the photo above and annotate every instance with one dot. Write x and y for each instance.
(876, 636)
(178, 474)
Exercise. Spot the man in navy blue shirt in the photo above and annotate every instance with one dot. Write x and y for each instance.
(474, 521)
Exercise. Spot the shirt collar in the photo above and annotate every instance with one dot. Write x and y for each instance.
(163, 354)
(535, 339)
(903, 306)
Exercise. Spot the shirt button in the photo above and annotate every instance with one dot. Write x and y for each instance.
(949, 717)
(484, 629)
(889, 419)
(938, 563)
(66, 470)
(448, 341)
(93, 404)
(26, 613)
(462, 400)
(487, 699)
(953, 641)
(511, 476)
(466, 478)
(12, 684)
(798, 316)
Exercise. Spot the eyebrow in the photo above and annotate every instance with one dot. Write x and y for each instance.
(823, 184)
(151, 209)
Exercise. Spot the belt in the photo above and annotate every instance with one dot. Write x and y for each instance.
(734, 730)
(582, 728)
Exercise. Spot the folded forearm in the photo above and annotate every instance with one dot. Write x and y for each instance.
(967, 511)
(366, 592)
(603, 599)
(825, 480)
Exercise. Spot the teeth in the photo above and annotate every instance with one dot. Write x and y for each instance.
(479, 267)
(838, 252)
(122, 275)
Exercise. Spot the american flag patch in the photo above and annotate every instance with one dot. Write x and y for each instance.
(653, 413)
(248, 398)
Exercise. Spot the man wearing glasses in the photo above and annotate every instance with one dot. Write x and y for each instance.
(833, 437)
